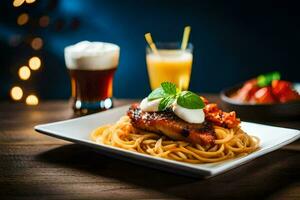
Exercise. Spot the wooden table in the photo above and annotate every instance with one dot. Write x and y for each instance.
(35, 166)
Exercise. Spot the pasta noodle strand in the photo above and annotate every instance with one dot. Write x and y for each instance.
(229, 143)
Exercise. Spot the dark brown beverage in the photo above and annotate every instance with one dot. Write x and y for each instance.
(91, 67)
(91, 85)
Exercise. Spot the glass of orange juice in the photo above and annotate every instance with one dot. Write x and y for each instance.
(170, 63)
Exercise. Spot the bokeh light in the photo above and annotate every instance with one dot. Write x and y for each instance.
(17, 3)
(24, 73)
(37, 43)
(22, 19)
(32, 100)
(16, 93)
(44, 21)
(30, 1)
(35, 63)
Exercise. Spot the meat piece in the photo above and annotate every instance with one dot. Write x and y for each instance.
(264, 96)
(284, 92)
(246, 93)
(220, 118)
(167, 123)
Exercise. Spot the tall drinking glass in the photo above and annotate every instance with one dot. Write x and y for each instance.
(91, 66)
(170, 64)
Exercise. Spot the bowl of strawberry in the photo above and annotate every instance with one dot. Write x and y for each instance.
(265, 97)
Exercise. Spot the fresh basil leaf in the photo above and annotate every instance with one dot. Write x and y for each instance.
(168, 87)
(266, 79)
(190, 100)
(166, 102)
(276, 76)
(156, 94)
(261, 81)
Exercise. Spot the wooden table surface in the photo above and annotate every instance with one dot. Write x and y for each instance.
(35, 166)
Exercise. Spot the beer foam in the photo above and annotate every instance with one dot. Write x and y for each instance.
(87, 55)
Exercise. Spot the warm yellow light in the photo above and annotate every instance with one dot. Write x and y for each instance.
(22, 19)
(35, 63)
(32, 100)
(30, 1)
(16, 93)
(37, 43)
(18, 3)
(24, 73)
(44, 21)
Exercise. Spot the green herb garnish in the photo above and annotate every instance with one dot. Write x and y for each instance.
(190, 100)
(169, 88)
(166, 102)
(264, 80)
(157, 94)
(170, 93)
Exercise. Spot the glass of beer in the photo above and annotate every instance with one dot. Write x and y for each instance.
(170, 63)
(91, 66)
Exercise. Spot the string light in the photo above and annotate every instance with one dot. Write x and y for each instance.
(22, 19)
(30, 1)
(32, 100)
(24, 73)
(35, 63)
(16, 93)
(18, 3)
(44, 21)
(37, 43)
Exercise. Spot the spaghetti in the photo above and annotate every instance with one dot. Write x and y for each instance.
(229, 143)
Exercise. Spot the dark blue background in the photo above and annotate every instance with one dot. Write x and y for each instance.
(233, 41)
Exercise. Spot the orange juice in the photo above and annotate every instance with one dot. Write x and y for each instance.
(170, 65)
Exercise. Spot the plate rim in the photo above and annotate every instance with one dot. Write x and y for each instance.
(42, 128)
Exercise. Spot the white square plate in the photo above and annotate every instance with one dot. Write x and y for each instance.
(78, 131)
